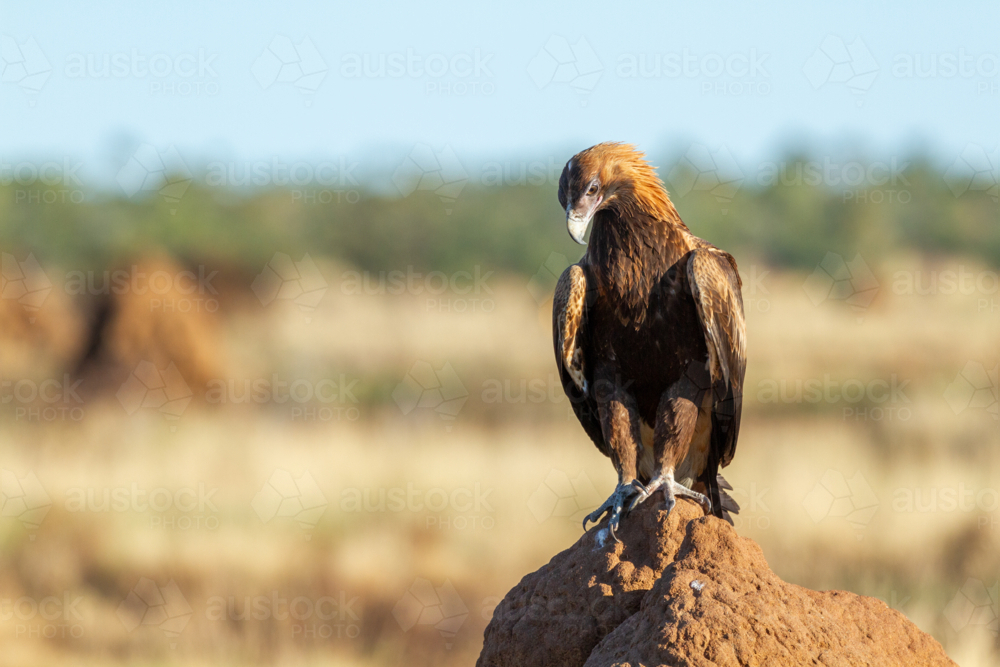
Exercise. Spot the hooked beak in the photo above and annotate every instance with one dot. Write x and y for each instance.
(577, 222)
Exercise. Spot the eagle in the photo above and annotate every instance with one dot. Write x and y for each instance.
(649, 336)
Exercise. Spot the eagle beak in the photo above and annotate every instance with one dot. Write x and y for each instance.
(577, 222)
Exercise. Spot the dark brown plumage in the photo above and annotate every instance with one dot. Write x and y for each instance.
(649, 335)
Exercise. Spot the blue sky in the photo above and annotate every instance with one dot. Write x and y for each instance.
(254, 80)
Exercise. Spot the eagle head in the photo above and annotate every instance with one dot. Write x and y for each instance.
(614, 177)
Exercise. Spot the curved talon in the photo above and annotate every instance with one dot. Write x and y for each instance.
(613, 507)
(638, 499)
(646, 492)
(598, 514)
(590, 518)
(640, 486)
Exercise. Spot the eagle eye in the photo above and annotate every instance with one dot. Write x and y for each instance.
(592, 190)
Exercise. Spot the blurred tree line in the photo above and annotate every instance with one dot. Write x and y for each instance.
(787, 216)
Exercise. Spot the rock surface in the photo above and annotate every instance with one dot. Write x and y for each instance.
(688, 591)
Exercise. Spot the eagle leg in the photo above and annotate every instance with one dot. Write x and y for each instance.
(671, 491)
(613, 506)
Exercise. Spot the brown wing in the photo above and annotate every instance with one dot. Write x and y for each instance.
(571, 340)
(715, 285)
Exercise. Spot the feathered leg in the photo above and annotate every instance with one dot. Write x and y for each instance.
(676, 420)
(620, 423)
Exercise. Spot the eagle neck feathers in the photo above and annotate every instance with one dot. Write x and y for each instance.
(629, 255)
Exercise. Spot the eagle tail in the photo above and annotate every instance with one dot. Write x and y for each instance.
(723, 504)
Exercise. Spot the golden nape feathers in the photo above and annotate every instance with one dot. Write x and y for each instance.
(631, 183)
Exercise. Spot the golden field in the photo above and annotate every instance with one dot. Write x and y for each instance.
(375, 525)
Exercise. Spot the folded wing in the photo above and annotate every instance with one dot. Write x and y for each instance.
(571, 339)
(715, 285)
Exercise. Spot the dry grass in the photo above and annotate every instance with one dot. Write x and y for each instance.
(518, 454)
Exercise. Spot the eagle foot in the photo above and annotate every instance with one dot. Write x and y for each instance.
(613, 506)
(671, 491)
